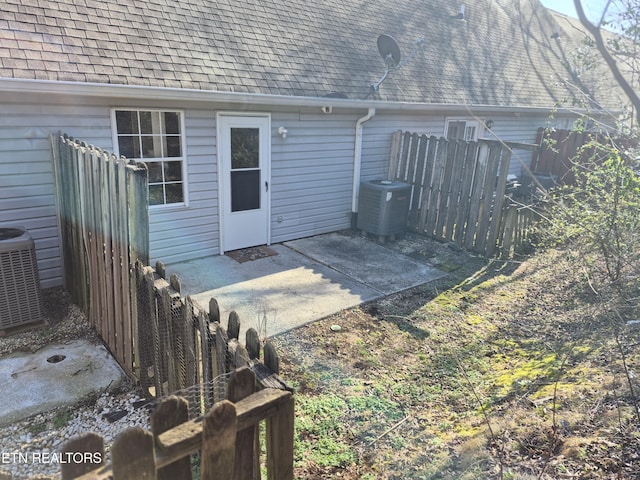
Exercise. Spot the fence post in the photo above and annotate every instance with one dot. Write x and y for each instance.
(89, 443)
(247, 459)
(172, 412)
(167, 342)
(219, 442)
(280, 434)
(133, 455)
(138, 196)
(143, 327)
(149, 280)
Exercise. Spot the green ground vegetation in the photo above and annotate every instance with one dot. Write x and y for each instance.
(501, 370)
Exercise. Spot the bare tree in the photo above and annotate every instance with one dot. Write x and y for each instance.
(595, 30)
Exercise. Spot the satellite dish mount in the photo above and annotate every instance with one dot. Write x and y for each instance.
(390, 53)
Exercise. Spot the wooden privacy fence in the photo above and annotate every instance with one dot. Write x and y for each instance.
(227, 439)
(102, 206)
(159, 337)
(458, 192)
(559, 151)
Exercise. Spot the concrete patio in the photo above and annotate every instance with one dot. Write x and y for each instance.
(305, 280)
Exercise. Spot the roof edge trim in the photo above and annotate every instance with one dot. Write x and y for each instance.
(180, 94)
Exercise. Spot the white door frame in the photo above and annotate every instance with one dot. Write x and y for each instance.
(224, 121)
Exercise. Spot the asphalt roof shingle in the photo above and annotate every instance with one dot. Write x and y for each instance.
(502, 54)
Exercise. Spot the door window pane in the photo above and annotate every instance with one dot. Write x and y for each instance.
(245, 148)
(245, 190)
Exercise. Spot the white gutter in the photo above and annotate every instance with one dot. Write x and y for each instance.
(52, 88)
(357, 161)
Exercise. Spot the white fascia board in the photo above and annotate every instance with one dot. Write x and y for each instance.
(101, 90)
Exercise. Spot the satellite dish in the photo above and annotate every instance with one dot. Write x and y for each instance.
(389, 50)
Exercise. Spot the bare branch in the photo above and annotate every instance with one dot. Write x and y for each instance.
(608, 58)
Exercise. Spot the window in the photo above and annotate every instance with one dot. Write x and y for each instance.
(462, 129)
(155, 138)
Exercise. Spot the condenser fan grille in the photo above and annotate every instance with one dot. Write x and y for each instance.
(20, 294)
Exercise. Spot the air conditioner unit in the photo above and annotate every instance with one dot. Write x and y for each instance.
(20, 294)
(383, 206)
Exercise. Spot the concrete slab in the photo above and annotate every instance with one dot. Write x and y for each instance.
(372, 264)
(54, 376)
(307, 280)
(272, 294)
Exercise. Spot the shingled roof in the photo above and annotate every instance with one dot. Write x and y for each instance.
(502, 53)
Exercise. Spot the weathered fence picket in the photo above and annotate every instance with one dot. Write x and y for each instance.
(458, 190)
(227, 439)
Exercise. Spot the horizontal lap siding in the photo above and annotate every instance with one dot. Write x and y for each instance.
(523, 129)
(507, 127)
(26, 171)
(185, 233)
(311, 174)
(26, 179)
(376, 146)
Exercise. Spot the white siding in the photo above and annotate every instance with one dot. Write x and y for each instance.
(311, 174)
(26, 171)
(178, 234)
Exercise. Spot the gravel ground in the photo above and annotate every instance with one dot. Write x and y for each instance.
(28, 447)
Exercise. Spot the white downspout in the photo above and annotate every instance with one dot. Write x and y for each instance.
(357, 163)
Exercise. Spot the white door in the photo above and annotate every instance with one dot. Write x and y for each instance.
(244, 150)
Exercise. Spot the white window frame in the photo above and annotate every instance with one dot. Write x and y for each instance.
(469, 122)
(182, 159)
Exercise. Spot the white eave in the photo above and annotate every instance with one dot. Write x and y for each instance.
(101, 90)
